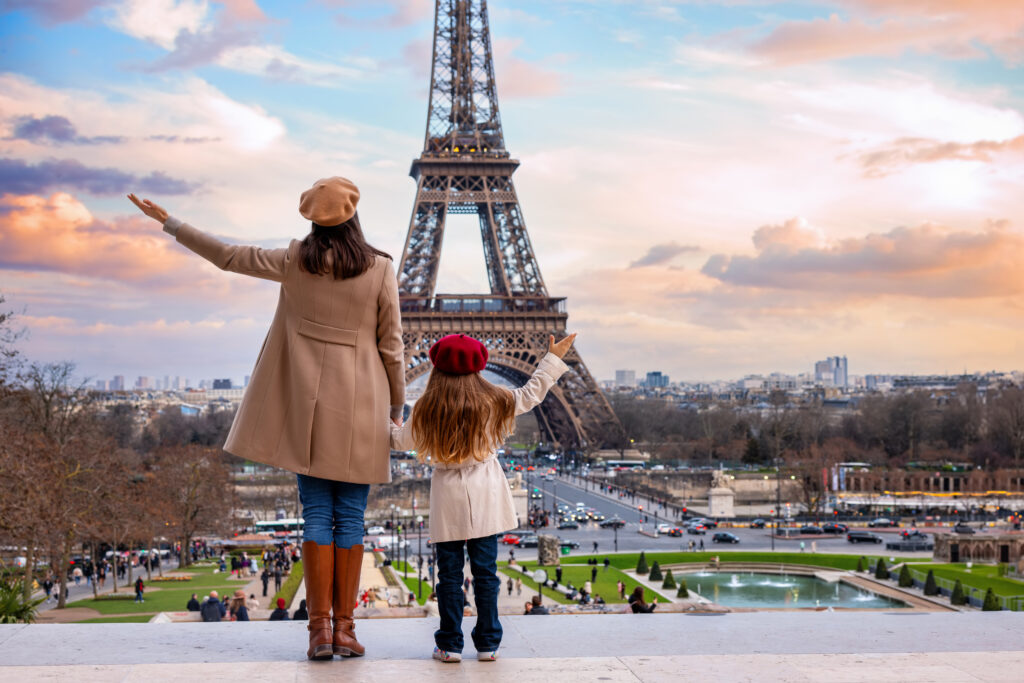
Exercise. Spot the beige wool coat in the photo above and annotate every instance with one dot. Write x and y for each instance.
(473, 500)
(331, 366)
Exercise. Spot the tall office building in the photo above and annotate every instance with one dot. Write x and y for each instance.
(656, 380)
(117, 384)
(832, 372)
(143, 383)
(625, 378)
(222, 384)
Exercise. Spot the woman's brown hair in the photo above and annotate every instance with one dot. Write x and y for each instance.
(341, 250)
(461, 416)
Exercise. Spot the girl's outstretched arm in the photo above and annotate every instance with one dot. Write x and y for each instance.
(544, 377)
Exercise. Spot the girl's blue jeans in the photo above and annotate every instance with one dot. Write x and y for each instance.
(332, 511)
(483, 563)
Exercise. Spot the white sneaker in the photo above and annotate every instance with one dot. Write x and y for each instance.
(445, 656)
(487, 656)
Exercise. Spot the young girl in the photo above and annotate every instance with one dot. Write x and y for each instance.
(457, 424)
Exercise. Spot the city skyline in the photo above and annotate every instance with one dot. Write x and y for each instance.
(721, 189)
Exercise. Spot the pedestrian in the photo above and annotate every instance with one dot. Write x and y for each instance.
(607, 563)
(139, 588)
(593, 573)
(507, 583)
(535, 606)
(702, 545)
(511, 556)
(212, 608)
(277, 578)
(301, 614)
(265, 578)
(456, 423)
(193, 604)
(76, 574)
(558, 573)
(801, 546)
(337, 336)
(431, 606)
(621, 588)
(519, 586)
(252, 603)
(48, 587)
(595, 546)
(587, 587)
(637, 604)
(280, 613)
(237, 608)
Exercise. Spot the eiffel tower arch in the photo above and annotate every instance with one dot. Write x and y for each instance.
(465, 169)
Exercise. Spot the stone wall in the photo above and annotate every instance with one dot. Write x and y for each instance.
(400, 493)
(750, 488)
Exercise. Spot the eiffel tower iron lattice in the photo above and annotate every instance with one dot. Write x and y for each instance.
(466, 169)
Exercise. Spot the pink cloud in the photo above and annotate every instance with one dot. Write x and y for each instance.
(55, 11)
(518, 77)
(907, 151)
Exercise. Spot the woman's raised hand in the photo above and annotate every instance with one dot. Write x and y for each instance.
(562, 346)
(154, 211)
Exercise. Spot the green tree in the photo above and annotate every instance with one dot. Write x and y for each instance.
(990, 603)
(669, 582)
(641, 564)
(958, 597)
(682, 593)
(881, 571)
(906, 580)
(655, 572)
(861, 565)
(930, 587)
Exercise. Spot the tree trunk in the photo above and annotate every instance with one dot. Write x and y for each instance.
(113, 573)
(95, 569)
(30, 563)
(65, 558)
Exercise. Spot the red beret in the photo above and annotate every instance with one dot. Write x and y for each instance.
(458, 354)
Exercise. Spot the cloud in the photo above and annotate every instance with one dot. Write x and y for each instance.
(19, 177)
(396, 13)
(926, 261)
(660, 254)
(518, 77)
(907, 151)
(54, 11)
(57, 129)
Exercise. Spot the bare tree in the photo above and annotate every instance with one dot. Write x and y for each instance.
(1007, 428)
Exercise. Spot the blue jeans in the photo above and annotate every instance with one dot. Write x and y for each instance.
(483, 563)
(332, 511)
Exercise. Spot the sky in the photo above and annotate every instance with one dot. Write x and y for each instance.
(717, 188)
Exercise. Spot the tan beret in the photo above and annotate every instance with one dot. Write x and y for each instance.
(330, 201)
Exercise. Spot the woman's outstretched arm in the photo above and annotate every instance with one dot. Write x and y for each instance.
(268, 264)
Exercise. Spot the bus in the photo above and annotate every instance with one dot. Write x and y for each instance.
(623, 465)
(279, 527)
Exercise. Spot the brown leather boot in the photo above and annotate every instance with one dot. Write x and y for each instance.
(348, 562)
(318, 573)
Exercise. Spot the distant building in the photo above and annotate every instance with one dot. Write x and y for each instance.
(143, 383)
(101, 384)
(625, 378)
(656, 380)
(832, 372)
(117, 384)
(222, 384)
(878, 382)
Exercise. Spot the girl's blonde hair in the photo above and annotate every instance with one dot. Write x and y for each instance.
(461, 416)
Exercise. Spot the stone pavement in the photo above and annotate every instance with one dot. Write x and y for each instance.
(821, 646)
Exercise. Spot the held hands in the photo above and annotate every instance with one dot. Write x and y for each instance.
(561, 347)
(147, 207)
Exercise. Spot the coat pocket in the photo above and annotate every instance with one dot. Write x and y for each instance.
(326, 333)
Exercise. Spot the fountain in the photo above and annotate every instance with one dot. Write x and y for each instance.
(735, 582)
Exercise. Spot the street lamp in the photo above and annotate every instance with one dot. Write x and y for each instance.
(615, 528)
(392, 549)
(419, 553)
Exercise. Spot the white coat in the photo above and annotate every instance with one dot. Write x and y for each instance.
(473, 500)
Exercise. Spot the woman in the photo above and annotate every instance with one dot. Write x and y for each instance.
(637, 604)
(237, 608)
(330, 374)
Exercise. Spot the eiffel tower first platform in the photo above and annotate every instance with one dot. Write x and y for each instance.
(466, 169)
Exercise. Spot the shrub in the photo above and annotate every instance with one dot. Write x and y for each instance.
(670, 582)
(655, 572)
(861, 565)
(930, 587)
(641, 564)
(881, 571)
(990, 603)
(958, 597)
(13, 606)
(290, 585)
(682, 593)
(906, 580)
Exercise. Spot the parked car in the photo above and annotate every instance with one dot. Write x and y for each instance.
(856, 536)
(568, 524)
(528, 541)
(612, 523)
(882, 522)
(512, 537)
(376, 531)
(724, 537)
(674, 531)
(811, 529)
(566, 543)
(758, 523)
(708, 523)
(913, 534)
(834, 528)
(664, 528)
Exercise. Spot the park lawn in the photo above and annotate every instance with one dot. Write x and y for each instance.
(530, 585)
(172, 596)
(832, 560)
(133, 619)
(604, 585)
(411, 581)
(980, 577)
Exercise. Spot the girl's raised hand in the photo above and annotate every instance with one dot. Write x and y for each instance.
(562, 346)
(154, 211)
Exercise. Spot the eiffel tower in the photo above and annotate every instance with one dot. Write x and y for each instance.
(466, 169)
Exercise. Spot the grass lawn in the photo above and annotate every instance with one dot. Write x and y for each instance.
(172, 596)
(411, 581)
(981, 577)
(134, 619)
(835, 561)
(604, 585)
